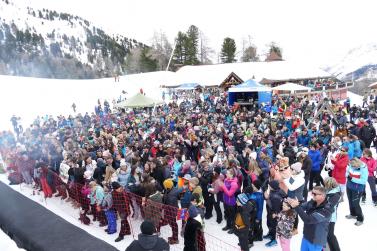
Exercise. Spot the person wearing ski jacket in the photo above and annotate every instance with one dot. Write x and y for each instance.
(315, 174)
(371, 165)
(229, 188)
(357, 177)
(316, 215)
(333, 198)
(340, 163)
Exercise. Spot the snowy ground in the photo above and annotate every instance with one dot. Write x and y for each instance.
(6, 243)
(29, 97)
(345, 229)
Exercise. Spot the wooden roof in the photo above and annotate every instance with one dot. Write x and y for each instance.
(273, 56)
(232, 79)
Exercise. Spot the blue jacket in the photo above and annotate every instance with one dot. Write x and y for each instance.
(357, 178)
(316, 221)
(333, 198)
(123, 178)
(350, 149)
(97, 196)
(185, 198)
(316, 158)
(325, 138)
(357, 149)
(258, 198)
(303, 140)
(264, 166)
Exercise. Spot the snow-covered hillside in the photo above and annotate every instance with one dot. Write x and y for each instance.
(33, 40)
(361, 61)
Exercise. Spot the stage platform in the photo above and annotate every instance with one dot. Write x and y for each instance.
(35, 228)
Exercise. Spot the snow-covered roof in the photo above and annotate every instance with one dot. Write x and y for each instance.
(210, 75)
(291, 87)
(250, 86)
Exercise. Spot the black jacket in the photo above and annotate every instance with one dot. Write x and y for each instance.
(316, 221)
(171, 197)
(191, 228)
(148, 243)
(276, 200)
(307, 166)
(247, 212)
(367, 133)
(205, 180)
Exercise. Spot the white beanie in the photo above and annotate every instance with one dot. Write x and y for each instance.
(296, 166)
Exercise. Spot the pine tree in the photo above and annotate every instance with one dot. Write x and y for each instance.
(147, 63)
(180, 49)
(192, 46)
(228, 50)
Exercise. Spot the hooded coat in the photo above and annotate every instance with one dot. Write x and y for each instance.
(147, 242)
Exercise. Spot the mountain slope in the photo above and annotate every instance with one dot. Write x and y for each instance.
(45, 43)
(358, 61)
(358, 65)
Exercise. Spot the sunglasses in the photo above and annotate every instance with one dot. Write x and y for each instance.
(284, 168)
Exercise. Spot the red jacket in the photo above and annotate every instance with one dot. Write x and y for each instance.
(371, 164)
(340, 167)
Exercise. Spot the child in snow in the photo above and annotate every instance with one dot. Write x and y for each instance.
(106, 205)
(285, 223)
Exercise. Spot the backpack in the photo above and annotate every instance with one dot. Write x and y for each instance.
(253, 213)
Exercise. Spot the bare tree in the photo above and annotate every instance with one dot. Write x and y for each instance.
(249, 50)
(133, 61)
(161, 49)
(205, 52)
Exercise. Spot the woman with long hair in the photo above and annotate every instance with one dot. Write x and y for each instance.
(229, 188)
(333, 197)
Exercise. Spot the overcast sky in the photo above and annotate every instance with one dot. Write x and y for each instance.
(319, 31)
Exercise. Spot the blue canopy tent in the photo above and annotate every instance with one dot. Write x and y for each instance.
(248, 90)
(188, 86)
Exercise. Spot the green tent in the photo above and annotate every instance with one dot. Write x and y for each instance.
(138, 101)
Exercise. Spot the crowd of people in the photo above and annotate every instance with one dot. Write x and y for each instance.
(198, 158)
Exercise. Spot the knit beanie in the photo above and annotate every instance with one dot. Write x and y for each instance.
(168, 184)
(242, 198)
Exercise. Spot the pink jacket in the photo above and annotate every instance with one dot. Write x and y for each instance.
(371, 164)
(229, 188)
